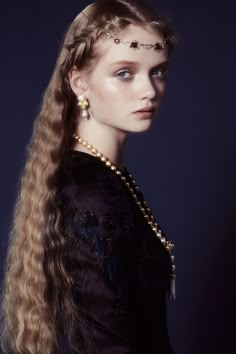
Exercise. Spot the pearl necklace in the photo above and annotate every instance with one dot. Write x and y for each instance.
(132, 187)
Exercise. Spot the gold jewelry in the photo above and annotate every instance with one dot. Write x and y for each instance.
(136, 45)
(83, 104)
(132, 187)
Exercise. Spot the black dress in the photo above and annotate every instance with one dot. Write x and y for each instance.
(120, 269)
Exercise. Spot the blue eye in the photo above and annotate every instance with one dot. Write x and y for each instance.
(160, 73)
(124, 74)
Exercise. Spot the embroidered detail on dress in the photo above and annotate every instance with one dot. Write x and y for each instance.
(95, 231)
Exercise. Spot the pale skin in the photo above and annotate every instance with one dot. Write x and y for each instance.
(122, 82)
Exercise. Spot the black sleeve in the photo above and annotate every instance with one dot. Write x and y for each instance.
(120, 269)
(101, 259)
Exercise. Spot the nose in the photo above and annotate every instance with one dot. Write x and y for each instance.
(147, 89)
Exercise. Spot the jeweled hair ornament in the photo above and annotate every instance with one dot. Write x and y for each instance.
(137, 45)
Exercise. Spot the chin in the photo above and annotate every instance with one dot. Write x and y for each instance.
(142, 126)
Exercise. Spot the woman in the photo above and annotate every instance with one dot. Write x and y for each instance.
(89, 268)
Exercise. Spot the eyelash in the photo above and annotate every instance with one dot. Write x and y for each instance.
(164, 72)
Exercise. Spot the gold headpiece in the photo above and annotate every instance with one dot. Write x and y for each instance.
(136, 45)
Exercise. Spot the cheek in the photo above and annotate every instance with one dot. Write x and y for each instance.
(162, 87)
(108, 94)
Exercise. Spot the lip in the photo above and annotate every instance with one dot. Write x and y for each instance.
(146, 109)
(145, 113)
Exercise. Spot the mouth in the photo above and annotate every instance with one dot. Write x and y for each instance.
(146, 112)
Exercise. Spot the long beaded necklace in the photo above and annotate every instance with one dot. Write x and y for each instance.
(132, 187)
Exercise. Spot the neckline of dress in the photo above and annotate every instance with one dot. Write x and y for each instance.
(95, 158)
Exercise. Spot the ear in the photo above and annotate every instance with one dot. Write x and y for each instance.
(77, 81)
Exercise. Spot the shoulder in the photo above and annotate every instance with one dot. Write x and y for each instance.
(86, 182)
(80, 167)
(94, 203)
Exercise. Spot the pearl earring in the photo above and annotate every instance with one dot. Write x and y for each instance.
(83, 104)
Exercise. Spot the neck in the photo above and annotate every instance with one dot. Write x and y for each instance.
(107, 140)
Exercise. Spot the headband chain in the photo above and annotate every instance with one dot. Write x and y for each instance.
(136, 45)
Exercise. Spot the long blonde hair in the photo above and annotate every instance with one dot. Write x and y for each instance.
(37, 287)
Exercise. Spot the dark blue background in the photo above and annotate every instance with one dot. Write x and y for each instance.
(185, 164)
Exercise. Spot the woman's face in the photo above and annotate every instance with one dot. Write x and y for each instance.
(125, 81)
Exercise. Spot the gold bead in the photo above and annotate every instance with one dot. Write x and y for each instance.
(94, 151)
(170, 245)
(108, 163)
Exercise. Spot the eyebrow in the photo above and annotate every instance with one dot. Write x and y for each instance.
(133, 63)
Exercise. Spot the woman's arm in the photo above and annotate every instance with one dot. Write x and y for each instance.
(100, 258)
